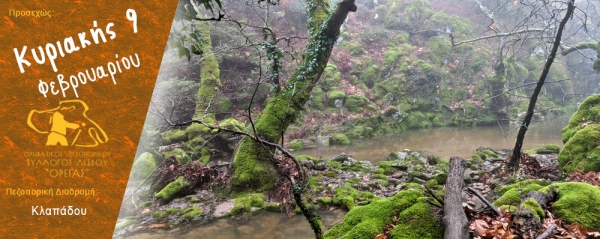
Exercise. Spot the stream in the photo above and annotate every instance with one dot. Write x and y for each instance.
(443, 142)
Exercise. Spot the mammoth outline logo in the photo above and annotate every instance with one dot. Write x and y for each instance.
(58, 134)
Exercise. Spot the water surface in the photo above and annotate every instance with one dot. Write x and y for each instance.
(446, 141)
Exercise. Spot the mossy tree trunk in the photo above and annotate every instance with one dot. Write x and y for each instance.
(209, 77)
(500, 101)
(253, 168)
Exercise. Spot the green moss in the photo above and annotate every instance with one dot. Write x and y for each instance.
(296, 144)
(272, 207)
(209, 75)
(368, 221)
(422, 65)
(589, 111)
(347, 197)
(232, 124)
(389, 167)
(370, 75)
(417, 221)
(330, 78)
(191, 214)
(333, 164)
(146, 204)
(577, 202)
(582, 151)
(304, 157)
(355, 103)
(548, 149)
(244, 203)
(143, 166)
(511, 194)
(525, 185)
(440, 49)
(174, 136)
(380, 176)
(532, 205)
(335, 95)
(339, 139)
(173, 189)
(490, 154)
(331, 174)
(195, 130)
(179, 154)
(417, 120)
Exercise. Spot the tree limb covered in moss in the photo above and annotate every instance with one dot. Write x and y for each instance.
(516, 154)
(581, 46)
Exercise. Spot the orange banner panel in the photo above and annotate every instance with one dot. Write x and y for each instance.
(77, 77)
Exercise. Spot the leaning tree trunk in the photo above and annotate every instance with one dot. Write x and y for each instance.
(209, 77)
(516, 155)
(253, 168)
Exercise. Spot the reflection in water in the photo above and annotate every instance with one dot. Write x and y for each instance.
(446, 141)
(262, 225)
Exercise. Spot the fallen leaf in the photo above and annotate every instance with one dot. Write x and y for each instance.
(157, 226)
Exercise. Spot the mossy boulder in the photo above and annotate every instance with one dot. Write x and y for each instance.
(332, 96)
(577, 202)
(143, 166)
(173, 189)
(582, 138)
(340, 139)
(179, 154)
(296, 144)
(589, 111)
(330, 78)
(582, 151)
(173, 136)
(355, 103)
(511, 194)
(414, 218)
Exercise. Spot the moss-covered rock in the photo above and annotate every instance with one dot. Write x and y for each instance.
(332, 96)
(582, 151)
(577, 202)
(179, 154)
(296, 144)
(355, 103)
(330, 78)
(191, 214)
(511, 194)
(532, 205)
(245, 202)
(174, 136)
(143, 166)
(173, 189)
(414, 218)
(339, 139)
(589, 111)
